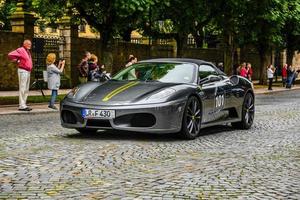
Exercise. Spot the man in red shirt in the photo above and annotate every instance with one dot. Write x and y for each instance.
(22, 56)
(284, 74)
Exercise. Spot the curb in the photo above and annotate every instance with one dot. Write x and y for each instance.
(33, 112)
(37, 108)
(275, 91)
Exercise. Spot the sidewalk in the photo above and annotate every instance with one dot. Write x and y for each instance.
(36, 108)
(43, 107)
(31, 93)
(264, 90)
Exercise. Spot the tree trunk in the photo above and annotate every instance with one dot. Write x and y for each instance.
(289, 56)
(229, 50)
(106, 51)
(126, 35)
(199, 38)
(263, 55)
(181, 41)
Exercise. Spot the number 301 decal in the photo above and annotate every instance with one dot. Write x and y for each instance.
(220, 101)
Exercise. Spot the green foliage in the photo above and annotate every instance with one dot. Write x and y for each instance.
(6, 8)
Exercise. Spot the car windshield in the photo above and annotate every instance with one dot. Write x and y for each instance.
(163, 72)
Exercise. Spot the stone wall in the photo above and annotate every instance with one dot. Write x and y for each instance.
(115, 59)
(9, 76)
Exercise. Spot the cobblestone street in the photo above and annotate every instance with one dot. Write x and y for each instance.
(41, 160)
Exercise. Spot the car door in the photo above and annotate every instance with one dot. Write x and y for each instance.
(212, 93)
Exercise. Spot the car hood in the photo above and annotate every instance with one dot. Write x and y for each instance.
(123, 92)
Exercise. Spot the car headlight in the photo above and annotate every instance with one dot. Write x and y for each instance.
(162, 94)
(73, 92)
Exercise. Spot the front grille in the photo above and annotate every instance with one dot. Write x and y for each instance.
(98, 123)
(143, 120)
(68, 117)
(136, 120)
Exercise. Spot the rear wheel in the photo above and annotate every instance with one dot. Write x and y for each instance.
(86, 130)
(191, 121)
(247, 113)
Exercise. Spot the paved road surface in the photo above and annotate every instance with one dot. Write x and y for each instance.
(41, 160)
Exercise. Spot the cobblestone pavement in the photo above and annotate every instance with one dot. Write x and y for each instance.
(41, 160)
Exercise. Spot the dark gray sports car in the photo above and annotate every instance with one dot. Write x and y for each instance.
(161, 96)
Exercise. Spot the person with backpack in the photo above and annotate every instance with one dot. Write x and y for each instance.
(22, 57)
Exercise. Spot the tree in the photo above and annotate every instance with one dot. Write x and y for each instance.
(228, 18)
(187, 17)
(291, 29)
(108, 17)
(263, 27)
(6, 8)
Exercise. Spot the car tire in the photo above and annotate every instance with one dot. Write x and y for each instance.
(191, 121)
(86, 130)
(248, 111)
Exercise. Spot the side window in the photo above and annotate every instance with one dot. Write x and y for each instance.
(206, 70)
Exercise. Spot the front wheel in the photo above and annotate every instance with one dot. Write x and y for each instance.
(247, 113)
(86, 130)
(191, 121)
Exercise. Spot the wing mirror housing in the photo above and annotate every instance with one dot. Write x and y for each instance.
(234, 80)
(209, 79)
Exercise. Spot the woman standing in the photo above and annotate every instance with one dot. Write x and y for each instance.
(54, 73)
(244, 71)
(284, 75)
(249, 71)
(270, 74)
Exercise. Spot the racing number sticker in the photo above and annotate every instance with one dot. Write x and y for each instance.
(220, 101)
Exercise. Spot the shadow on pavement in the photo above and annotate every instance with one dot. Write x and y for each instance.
(126, 135)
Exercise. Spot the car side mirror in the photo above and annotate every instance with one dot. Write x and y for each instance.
(234, 80)
(209, 79)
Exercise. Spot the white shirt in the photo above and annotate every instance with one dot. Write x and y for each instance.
(270, 73)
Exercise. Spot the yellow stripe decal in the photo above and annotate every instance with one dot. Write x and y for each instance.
(119, 90)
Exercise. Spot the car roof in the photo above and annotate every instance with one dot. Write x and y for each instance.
(182, 60)
(189, 60)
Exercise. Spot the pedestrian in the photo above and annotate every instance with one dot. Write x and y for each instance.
(243, 71)
(290, 77)
(132, 60)
(249, 71)
(295, 75)
(221, 67)
(83, 67)
(95, 71)
(53, 74)
(22, 57)
(235, 69)
(270, 74)
(284, 75)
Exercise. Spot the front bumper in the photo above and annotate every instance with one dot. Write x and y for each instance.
(151, 118)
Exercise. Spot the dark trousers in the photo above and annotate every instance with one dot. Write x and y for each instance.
(283, 82)
(53, 97)
(289, 81)
(270, 83)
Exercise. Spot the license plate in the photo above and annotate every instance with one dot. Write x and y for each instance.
(100, 114)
